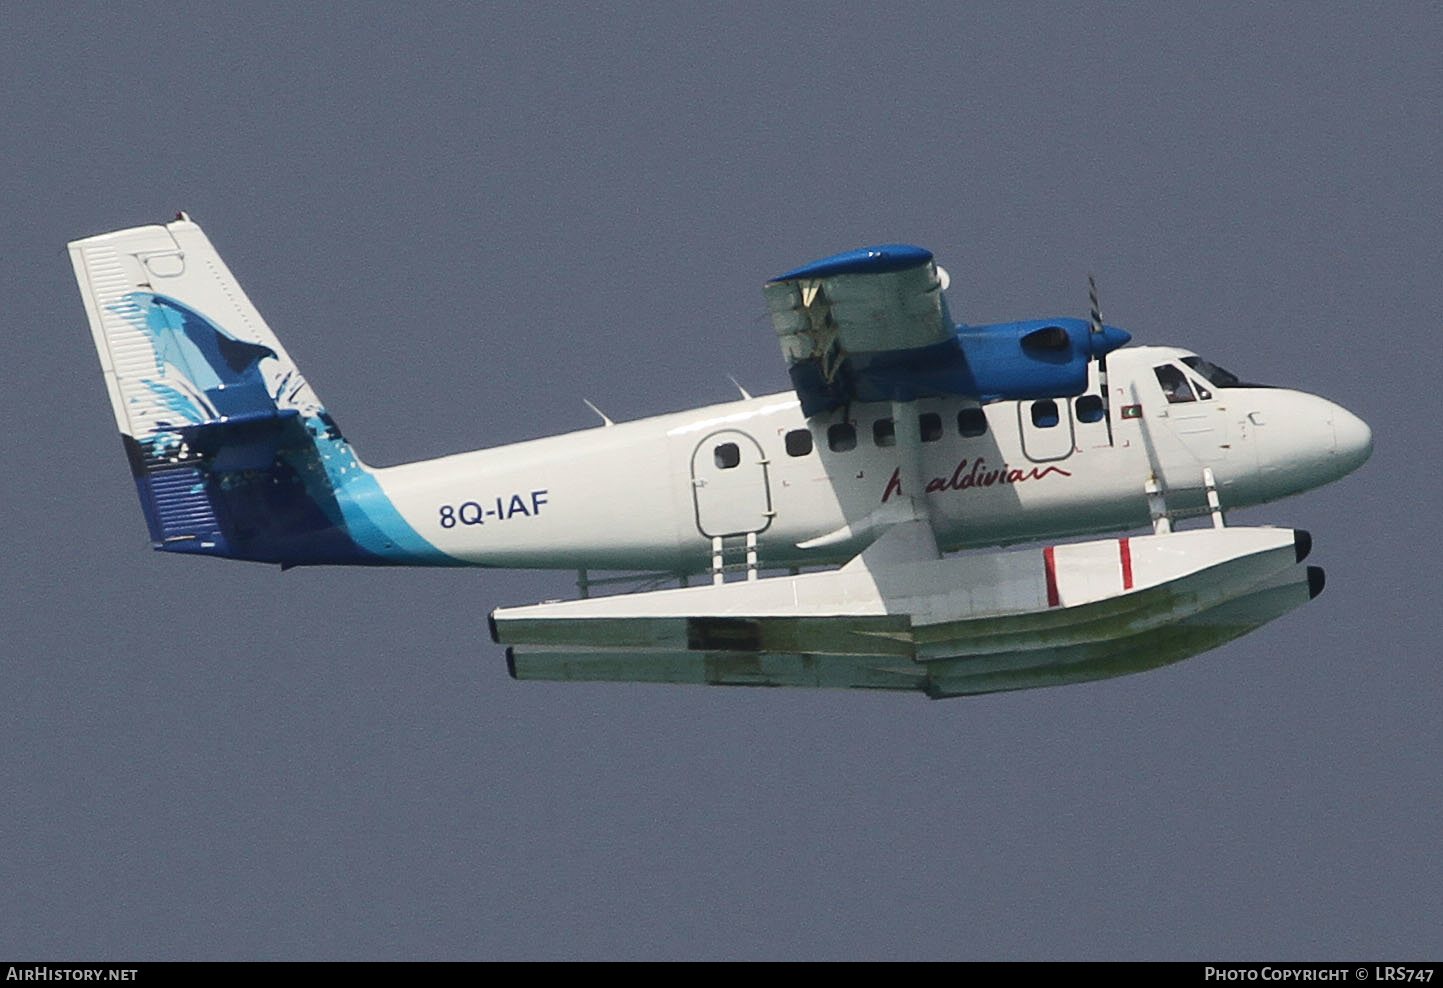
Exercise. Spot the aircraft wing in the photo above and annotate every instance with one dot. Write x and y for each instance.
(856, 326)
(872, 325)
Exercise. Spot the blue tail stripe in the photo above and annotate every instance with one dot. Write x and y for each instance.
(262, 480)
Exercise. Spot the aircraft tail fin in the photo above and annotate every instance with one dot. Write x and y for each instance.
(157, 298)
(232, 453)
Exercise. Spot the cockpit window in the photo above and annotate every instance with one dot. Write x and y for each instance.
(1215, 375)
(1174, 383)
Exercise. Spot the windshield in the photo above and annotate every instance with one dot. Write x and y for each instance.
(1215, 375)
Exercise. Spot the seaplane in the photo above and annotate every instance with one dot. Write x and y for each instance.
(922, 511)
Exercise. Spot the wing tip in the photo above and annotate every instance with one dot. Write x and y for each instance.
(879, 259)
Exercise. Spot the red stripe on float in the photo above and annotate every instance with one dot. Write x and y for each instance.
(1124, 552)
(1051, 566)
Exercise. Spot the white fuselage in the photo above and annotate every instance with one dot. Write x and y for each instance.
(654, 494)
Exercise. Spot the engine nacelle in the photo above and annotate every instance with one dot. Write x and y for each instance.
(1040, 358)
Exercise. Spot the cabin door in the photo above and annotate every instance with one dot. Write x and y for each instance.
(729, 483)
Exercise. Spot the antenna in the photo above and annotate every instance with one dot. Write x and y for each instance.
(604, 420)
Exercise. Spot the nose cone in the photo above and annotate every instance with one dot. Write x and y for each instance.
(1352, 440)
(1303, 441)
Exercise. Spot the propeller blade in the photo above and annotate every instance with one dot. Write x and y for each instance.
(1098, 337)
(1096, 308)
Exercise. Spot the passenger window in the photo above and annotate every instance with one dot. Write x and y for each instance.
(1089, 408)
(727, 455)
(1044, 413)
(971, 422)
(931, 425)
(842, 437)
(1174, 384)
(799, 442)
(884, 433)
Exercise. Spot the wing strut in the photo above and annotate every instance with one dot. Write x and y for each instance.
(1156, 494)
(907, 428)
(908, 508)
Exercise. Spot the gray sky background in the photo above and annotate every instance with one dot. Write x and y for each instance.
(464, 218)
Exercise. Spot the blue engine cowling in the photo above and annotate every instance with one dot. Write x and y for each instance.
(1039, 358)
